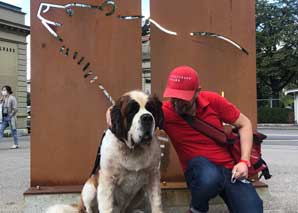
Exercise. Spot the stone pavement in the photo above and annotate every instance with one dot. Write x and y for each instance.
(14, 174)
(280, 197)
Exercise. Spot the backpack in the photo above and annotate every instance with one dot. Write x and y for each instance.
(230, 137)
(258, 164)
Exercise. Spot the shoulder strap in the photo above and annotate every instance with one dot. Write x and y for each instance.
(207, 129)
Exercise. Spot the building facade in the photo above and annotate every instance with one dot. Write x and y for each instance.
(13, 56)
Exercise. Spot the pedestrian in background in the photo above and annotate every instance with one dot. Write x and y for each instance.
(9, 114)
(1, 100)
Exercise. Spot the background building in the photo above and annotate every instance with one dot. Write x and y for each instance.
(13, 55)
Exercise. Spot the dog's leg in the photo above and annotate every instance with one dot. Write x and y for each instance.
(154, 191)
(89, 193)
(105, 197)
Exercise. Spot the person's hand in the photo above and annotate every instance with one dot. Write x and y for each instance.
(240, 171)
(108, 117)
(8, 118)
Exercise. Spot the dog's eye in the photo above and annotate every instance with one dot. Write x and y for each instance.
(150, 107)
(132, 108)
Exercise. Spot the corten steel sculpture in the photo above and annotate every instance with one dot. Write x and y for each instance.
(68, 112)
(217, 38)
(88, 51)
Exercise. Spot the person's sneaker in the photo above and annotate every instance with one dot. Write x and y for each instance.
(14, 146)
(192, 210)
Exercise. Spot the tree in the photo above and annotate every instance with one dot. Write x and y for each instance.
(277, 43)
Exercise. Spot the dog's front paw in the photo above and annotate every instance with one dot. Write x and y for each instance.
(157, 211)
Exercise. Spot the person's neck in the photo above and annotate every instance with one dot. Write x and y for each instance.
(193, 110)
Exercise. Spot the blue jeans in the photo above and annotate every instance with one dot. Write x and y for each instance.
(206, 180)
(5, 123)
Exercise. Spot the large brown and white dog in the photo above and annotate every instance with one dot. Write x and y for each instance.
(130, 158)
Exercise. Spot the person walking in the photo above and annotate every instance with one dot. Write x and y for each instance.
(1, 98)
(9, 114)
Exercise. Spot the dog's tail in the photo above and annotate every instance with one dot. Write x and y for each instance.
(62, 208)
(89, 193)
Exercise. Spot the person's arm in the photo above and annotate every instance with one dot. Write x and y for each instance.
(230, 114)
(246, 139)
(14, 108)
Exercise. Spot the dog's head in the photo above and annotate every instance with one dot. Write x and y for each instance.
(135, 116)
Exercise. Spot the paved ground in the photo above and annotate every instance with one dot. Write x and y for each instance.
(280, 197)
(14, 174)
(283, 188)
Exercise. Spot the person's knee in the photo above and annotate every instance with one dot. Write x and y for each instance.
(204, 176)
(256, 205)
(209, 180)
(250, 204)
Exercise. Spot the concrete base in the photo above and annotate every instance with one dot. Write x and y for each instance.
(174, 201)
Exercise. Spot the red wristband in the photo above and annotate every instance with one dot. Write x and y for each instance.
(246, 162)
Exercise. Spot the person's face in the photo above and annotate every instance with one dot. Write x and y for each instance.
(185, 107)
(4, 91)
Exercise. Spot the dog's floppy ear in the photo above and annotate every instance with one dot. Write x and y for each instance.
(117, 119)
(158, 113)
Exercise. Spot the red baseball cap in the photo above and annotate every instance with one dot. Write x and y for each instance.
(182, 83)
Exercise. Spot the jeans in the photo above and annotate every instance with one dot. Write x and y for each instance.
(8, 122)
(206, 180)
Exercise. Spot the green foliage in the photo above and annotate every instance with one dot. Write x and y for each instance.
(287, 100)
(275, 115)
(277, 45)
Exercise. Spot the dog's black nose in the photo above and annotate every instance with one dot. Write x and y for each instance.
(147, 119)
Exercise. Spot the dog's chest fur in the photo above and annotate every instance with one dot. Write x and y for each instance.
(129, 169)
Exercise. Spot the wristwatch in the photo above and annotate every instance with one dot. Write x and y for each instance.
(248, 164)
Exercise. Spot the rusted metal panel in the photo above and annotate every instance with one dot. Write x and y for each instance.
(221, 66)
(68, 113)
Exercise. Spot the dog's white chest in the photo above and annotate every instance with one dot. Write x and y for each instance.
(131, 182)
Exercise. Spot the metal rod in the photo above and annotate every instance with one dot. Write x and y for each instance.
(105, 92)
(162, 28)
(130, 17)
(220, 37)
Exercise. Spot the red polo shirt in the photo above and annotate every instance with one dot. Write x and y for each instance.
(188, 142)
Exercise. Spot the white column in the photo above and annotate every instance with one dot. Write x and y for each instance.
(296, 107)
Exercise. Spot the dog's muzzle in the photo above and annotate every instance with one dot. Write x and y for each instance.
(147, 123)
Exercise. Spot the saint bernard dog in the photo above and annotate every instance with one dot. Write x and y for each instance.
(130, 160)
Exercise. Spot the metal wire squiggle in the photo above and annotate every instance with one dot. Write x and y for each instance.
(85, 67)
(220, 37)
(150, 21)
(107, 95)
(162, 28)
(45, 7)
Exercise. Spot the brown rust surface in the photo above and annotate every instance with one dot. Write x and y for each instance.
(221, 66)
(68, 113)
